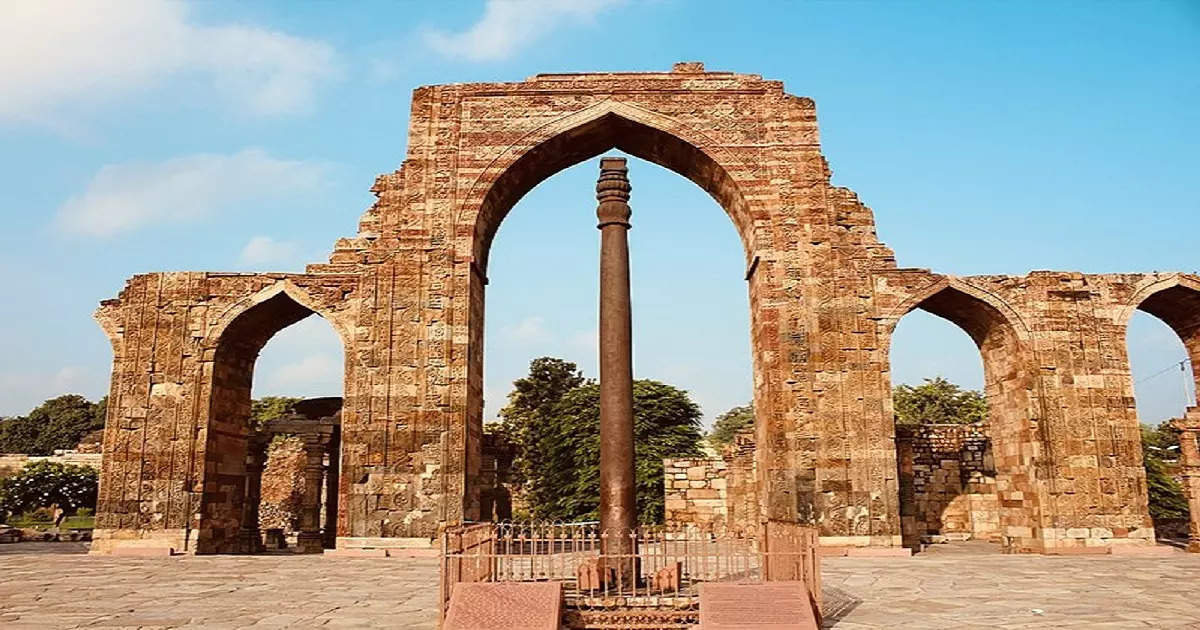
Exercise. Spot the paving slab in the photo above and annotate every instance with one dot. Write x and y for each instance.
(947, 587)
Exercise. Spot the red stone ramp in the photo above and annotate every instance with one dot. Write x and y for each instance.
(756, 606)
(505, 606)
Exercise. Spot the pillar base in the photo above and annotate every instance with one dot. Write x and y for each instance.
(310, 542)
(250, 541)
(1193, 546)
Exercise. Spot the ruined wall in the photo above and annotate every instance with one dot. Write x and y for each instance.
(720, 489)
(12, 463)
(282, 490)
(695, 490)
(407, 296)
(947, 482)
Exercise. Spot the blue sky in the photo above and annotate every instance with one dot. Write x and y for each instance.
(988, 138)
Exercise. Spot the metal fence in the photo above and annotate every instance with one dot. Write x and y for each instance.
(664, 573)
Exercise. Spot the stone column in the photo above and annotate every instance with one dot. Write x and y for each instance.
(309, 539)
(618, 499)
(331, 490)
(249, 536)
(1189, 459)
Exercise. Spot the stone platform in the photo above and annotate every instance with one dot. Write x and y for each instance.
(949, 586)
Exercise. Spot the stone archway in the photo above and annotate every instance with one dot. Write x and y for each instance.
(406, 294)
(236, 340)
(1015, 445)
(1175, 301)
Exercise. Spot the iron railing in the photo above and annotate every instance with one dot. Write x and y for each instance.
(664, 573)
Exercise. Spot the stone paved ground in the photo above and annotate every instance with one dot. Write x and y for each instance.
(948, 587)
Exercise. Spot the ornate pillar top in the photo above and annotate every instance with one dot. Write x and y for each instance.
(612, 191)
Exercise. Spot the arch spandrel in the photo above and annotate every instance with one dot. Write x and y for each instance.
(589, 132)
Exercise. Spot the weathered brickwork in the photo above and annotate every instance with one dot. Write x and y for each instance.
(407, 293)
(694, 490)
(947, 483)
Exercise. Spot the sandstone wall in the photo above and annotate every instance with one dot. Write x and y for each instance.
(695, 490)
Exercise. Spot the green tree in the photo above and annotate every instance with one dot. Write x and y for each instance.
(938, 401)
(729, 423)
(1166, 497)
(525, 420)
(564, 480)
(58, 423)
(42, 484)
(269, 408)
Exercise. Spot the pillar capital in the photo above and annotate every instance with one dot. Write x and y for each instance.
(612, 191)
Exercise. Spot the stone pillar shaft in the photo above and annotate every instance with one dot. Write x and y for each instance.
(309, 539)
(1189, 458)
(331, 491)
(250, 536)
(618, 497)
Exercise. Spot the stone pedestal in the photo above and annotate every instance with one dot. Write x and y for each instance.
(1189, 459)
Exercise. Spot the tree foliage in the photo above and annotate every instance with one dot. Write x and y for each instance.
(938, 401)
(553, 418)
(729, 423)
(1166, 497)
(58, 423)
(525, 419)
(42, 484)
(269, 408)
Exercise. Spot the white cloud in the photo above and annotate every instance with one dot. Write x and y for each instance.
(123, 197)
(507, 25)
(529, 330)
(264, 250)
(58, 56)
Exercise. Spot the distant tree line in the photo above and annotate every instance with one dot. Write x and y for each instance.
(58, 423)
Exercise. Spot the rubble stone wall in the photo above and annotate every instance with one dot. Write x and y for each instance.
(407, 296)
(947, 482)
(695, 490)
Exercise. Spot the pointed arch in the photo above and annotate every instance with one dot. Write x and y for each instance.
(1005, 347)
(235, 339)
(587, 133)
(288, 301)
(1175, 300)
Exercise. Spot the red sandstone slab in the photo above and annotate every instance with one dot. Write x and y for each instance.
(763, 606)
(505, 606)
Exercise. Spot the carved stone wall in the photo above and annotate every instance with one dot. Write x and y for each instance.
(407, 296)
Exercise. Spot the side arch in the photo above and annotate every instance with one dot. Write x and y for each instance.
(1005, 346)
(278, 295)
(1175, 300)
(232, 348)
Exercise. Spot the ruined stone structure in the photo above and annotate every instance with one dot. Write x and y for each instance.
(407, 293)
(947, 483)
(719, 489)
